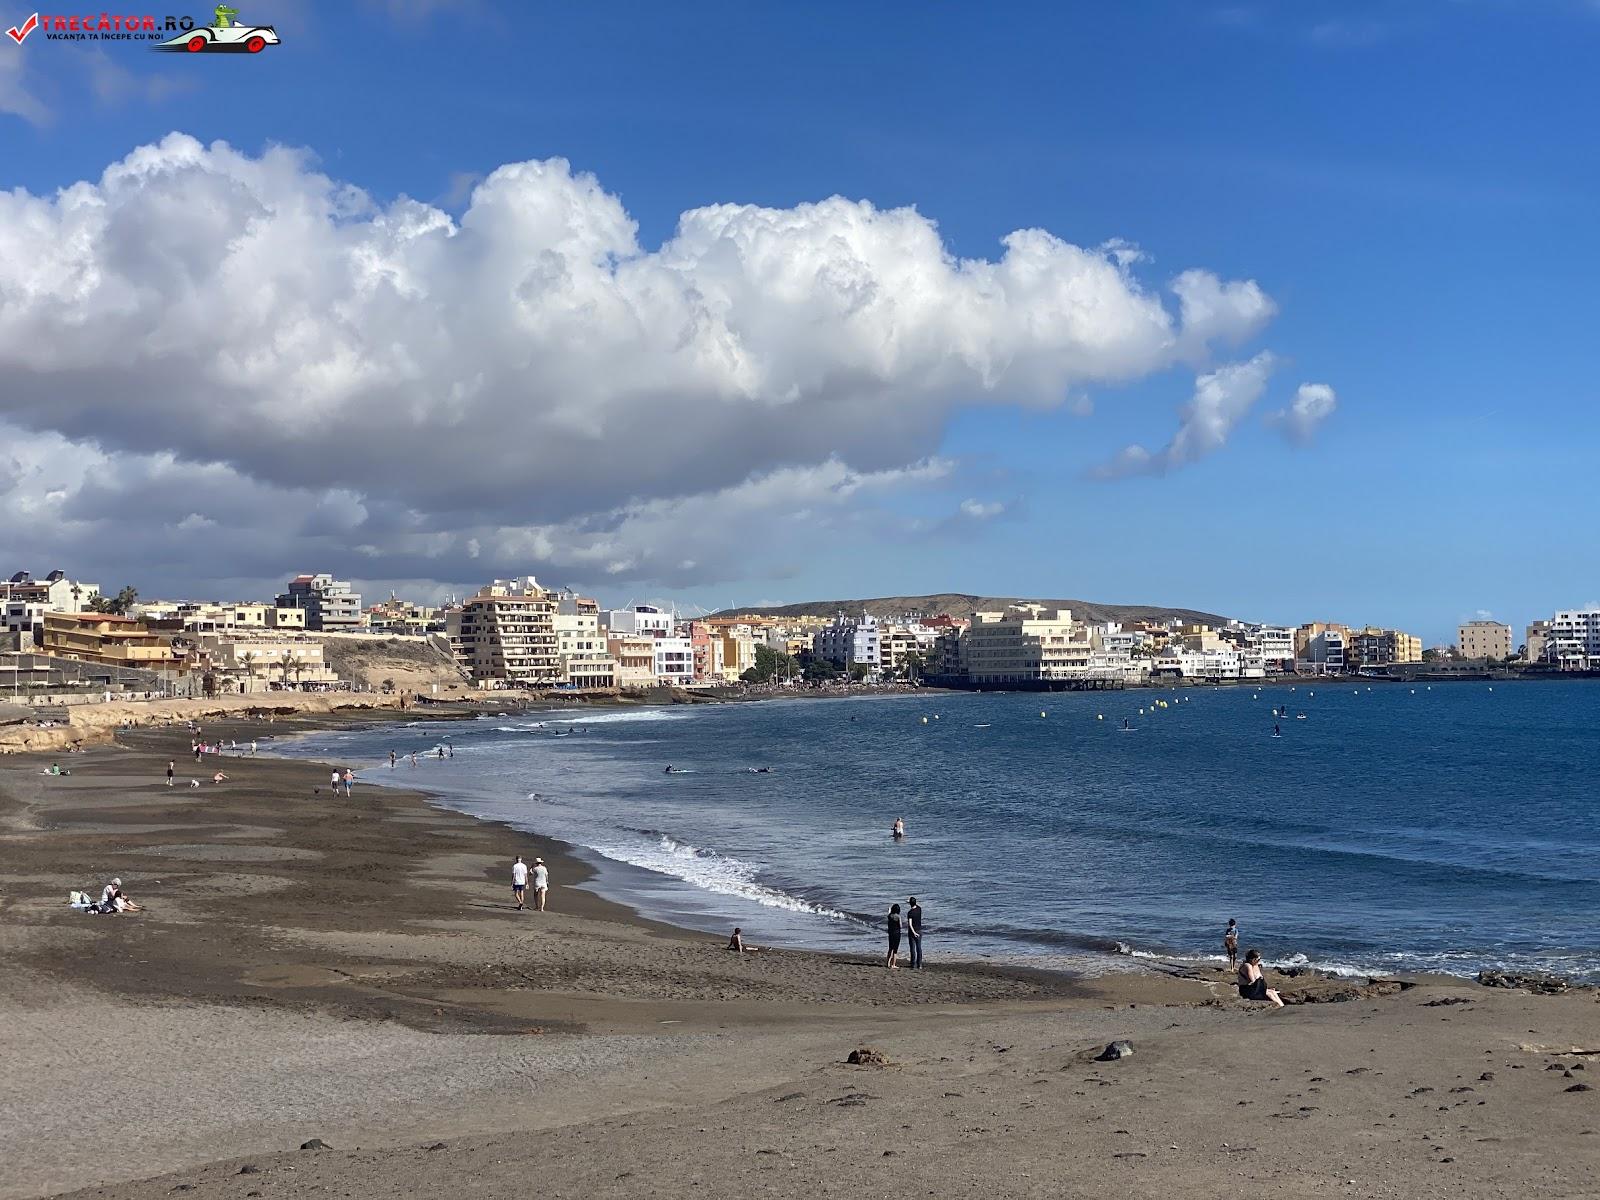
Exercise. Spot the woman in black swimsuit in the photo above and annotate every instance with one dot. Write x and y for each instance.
(1253, 984)
(894, 937)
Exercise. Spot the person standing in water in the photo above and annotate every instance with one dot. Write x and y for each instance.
(1230, 943)
(893, 926)
(899, 830)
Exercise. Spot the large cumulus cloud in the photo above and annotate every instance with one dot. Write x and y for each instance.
(232, 334)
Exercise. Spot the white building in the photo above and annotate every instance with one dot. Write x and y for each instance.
(674, 661)
(642, 620)
(24, 600)
(850, 641)
(1573, 640)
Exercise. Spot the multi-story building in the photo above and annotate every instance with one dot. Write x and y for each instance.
(636, 660)
(200, 617)
(109, 640)
(1374, 647)
(1538, 634)
(330, 604)
(1324, 651)
(674, 661)
(642, 620)
(507, 633)
(1304, 634)
(1573, 640)
(850, 642)
(395, 615)
(286, 619)
(1484, 639)
(1026, 646)
(252, 662)
(24, 600)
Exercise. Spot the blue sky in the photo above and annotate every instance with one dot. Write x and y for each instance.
(1412, 184)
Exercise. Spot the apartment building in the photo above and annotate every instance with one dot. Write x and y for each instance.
(109, 640)
(636, 660)
(24, 600)
(1573, 640)
(507, 633)
(673, 660)
(1374, 647)
(1538, 635)
(330, 604)
(642, 620)
(254, 662)
(851, 641)
(1484, 639)
(1025, 646)
(201, 617)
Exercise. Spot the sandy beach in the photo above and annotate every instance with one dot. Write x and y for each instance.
(353, 970)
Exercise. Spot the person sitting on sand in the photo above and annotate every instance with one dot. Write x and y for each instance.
(194, 783)
(112, 899)
(894, 938)
(1230, 943)
(1253, 984)
(219, 777)
(736, 942)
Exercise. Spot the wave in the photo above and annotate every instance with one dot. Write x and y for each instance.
(622, 718)
(661, 852)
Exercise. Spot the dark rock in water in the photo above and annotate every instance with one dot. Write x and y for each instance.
(1539, 984)
(1114, 1051)
(866, 1056)
(315, 1144)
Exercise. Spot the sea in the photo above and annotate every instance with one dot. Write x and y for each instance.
(1357, 828)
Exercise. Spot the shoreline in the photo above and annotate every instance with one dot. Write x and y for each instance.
(351, 970)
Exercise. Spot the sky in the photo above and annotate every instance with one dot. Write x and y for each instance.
(1272, 309)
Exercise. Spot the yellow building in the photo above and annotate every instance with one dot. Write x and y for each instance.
(111, 640)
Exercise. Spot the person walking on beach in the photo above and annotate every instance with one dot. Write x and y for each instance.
(894, 938)
(171, 770)
(349, 782)
(541, 883)
(1253, 983)
(519, 881)
(914, 932)
(391, 760)
(338, 781)
(1230, 943)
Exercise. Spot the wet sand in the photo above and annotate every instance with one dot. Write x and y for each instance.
(353, 970)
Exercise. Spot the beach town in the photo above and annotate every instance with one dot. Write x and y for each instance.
(66, 643)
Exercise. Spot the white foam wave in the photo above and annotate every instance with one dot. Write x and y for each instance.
(622, 718)
(707, 869)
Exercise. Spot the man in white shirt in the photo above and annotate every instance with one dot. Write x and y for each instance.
(519, 881)
(541, 881)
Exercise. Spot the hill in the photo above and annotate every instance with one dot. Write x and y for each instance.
(961, 604)
(410, 664)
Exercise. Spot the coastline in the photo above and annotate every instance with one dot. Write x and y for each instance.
(352, 970)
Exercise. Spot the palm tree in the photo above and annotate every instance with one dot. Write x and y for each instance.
(287, 663)
(249, 660)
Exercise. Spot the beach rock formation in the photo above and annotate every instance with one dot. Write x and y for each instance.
(866, 1056)
(1542, 985)
(1116, 1050)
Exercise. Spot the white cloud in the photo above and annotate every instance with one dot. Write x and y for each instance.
(242, 340)
(1221, 400)
(981, 510)
(1313, 404)
(16, 97)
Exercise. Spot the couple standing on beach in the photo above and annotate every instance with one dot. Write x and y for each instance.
(519, 882)
(912, 925)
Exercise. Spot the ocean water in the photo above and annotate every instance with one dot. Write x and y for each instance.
(1442, 828)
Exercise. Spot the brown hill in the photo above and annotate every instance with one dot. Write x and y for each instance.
(961, 604)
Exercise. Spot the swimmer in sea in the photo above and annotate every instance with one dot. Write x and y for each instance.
(899, 830)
